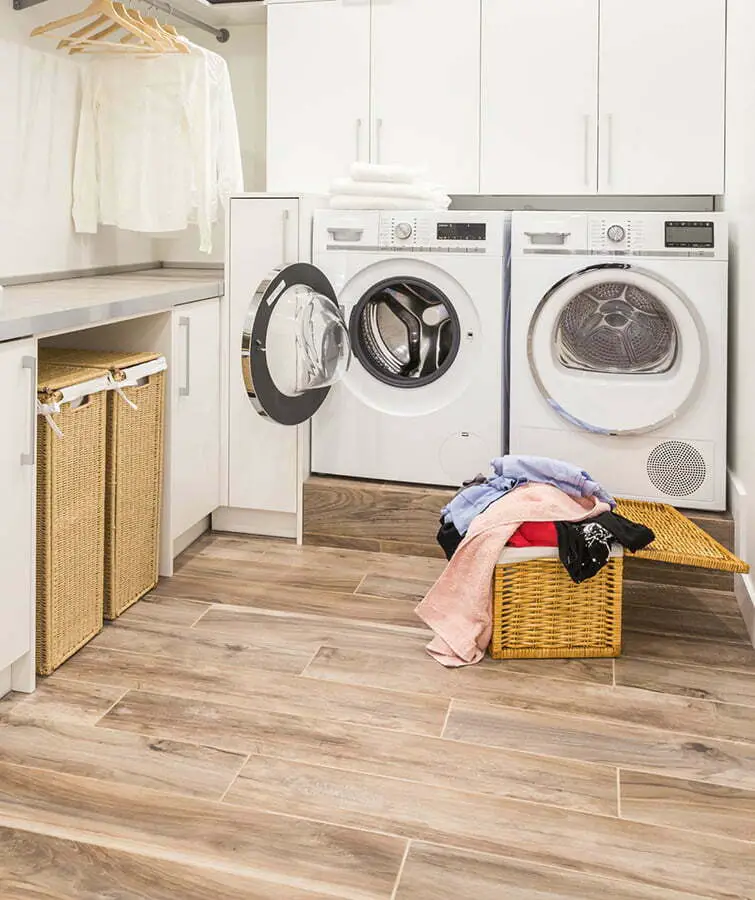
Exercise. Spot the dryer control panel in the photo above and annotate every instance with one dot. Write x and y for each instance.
(657, 234)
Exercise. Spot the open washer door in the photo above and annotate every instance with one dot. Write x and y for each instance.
(295, 344)
(615, 349)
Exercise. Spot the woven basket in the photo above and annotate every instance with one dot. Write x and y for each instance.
(539, 613)
(70, 516)
(134, 475)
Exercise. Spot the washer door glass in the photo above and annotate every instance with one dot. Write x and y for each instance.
(295, 344)
(615, 350)
(405, 332)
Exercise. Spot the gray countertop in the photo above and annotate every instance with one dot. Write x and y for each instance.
(48, 307)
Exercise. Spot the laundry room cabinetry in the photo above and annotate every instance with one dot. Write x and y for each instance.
(18, 376)
(603, 96)
(196, 414)
(389, 81)
(662, 96)
(318, 92)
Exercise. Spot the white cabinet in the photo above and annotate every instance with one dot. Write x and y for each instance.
(391, 81)
(662, 92)
(194, 456)
(18, 375)
(608, 96)
(539, 97)
(318, 92)
(426, 88)
(263, 456)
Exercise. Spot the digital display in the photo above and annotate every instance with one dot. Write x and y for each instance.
(689, 234)
(461, 231)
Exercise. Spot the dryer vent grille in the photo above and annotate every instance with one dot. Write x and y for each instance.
(676, 468)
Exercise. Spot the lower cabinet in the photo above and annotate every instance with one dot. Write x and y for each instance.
(194, 455)
(18, 375)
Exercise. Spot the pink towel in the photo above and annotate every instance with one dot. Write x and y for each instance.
(458, 606)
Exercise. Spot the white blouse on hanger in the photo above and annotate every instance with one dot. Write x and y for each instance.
(158, 145)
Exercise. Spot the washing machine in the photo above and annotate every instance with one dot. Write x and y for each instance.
(422, 296)
(619, 349)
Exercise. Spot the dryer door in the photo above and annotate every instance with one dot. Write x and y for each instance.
(615, 349)
(295, 344)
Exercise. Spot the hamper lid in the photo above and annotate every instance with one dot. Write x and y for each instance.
(678, 539)
(112, 360)
(68, 382)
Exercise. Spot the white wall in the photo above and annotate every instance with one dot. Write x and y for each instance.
(38, 119)
(739, 202)
(246, 55)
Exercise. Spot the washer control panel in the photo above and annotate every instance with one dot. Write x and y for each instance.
(476, 232)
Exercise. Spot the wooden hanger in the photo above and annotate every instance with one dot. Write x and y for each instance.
(117, 14)
(169, 32)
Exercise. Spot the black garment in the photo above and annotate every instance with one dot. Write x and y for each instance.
(583, 548)
(629, 534)
(448, 538)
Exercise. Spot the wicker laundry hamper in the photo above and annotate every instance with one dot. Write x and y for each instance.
(539, 613)
(134, 472)
(70, 510)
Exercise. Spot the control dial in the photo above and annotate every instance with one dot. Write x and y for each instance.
(403, 231)
(616, 233)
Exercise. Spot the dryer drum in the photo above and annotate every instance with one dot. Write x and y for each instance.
(616, 327)
(405, 332)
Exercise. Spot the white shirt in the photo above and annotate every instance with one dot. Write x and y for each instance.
(158, 144)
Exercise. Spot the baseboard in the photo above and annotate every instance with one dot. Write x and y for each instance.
(255, 521)
(190, 535)
(744, 587)
(5, 681)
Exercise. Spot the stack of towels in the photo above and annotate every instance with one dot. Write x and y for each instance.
(386, 187)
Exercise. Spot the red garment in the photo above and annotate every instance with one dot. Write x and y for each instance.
(535, 534)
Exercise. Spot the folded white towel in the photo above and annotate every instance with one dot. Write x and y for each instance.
(354, 201)
(419, 191)
(392, 174)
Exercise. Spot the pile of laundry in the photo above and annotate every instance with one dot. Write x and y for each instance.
(372, 186)
(528, 501)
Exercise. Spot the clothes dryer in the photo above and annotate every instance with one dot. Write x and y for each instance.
(619, 349)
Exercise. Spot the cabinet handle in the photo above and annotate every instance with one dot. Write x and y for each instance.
(30, 363)
(378, 139)
(185, 390)
(359, 139)
(609, 154)
(284, 235)
(587, 120)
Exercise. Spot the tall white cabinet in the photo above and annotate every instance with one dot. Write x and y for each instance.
(603, 96)
(390, 81)
(18, 375)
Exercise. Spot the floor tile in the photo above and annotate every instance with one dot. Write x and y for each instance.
(709, 683)
(432, 871)
(665, 858)
(250, 688)
(502, 685)
(307, 855)
(607, 743)
(37, 866)
(689, 805)
(433, 762)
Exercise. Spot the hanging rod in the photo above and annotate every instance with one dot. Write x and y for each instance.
(222, 34)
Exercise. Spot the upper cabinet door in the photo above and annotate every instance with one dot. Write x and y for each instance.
(662, 93)
(426, 88)
(318, 92)
(539, 96)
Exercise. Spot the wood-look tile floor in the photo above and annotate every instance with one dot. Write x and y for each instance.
(266, 724)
